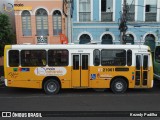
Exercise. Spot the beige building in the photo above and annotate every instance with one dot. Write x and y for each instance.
(39, 21)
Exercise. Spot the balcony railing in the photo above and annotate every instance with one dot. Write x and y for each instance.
(84, 16)
(42, 39)
(151, 17)
(106, 16)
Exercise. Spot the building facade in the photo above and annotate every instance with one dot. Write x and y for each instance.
(42, 24)
(98, 21)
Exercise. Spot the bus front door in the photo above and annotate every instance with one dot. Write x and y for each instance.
(142, 69)
(80, 70)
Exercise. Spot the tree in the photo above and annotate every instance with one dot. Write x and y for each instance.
(6, 34)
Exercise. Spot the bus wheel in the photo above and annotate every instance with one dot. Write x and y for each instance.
(119, 85)
(51, 86)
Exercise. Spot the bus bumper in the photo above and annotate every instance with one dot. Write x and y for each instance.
(152, 83)
(6, 82)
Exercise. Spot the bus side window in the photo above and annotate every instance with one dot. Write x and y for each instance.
(27, 60)
(33, 58)
(113, 57)
(13, 58)
(96, 57)
(58, 57)
(129, 57)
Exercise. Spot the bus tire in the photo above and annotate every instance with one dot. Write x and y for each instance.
(119, 85)
(51, 86)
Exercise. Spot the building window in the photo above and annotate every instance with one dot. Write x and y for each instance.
(58, 57)
(129, 39)
(57, 22)
(84, 39)
(42, 22)
(107, 39)
(151, 11)
(106, 10)
(131, 10)
(150, 41)
(113, 57)
(26, 23)
(84, 10)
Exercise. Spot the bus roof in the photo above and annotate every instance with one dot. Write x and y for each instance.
(77, 46)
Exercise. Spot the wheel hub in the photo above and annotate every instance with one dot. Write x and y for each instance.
(119, 86)
(51, 87)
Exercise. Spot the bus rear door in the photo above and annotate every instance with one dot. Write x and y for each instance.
(142, 69)
(80, 70)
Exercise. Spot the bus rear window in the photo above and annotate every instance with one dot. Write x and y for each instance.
(13, 58)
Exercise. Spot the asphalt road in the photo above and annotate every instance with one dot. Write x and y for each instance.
(16, 99)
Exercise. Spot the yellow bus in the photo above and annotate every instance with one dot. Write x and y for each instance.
(55, 67)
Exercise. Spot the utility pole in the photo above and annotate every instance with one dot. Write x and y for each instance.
(123, 27)
(69, 22)
(67, 13)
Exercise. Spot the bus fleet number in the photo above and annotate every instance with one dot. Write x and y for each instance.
(108, 69)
